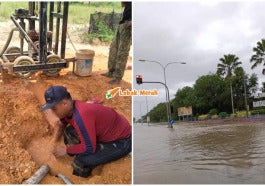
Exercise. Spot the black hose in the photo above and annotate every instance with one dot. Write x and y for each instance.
(8, 41)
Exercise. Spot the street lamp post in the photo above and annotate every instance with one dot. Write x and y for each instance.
(141, 113)
(147, 115)
(165, 81)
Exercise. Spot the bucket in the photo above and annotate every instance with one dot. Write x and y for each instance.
(84, 62)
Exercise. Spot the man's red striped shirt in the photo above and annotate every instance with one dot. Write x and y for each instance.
(96, 123)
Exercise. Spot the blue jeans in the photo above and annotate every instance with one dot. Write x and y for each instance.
(105, 152)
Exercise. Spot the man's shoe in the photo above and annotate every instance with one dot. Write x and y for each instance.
(115, 81)
(80, 169)
(107, 74)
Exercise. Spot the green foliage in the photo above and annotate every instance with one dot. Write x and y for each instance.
(222, 115)
(214, 91)
(213, 112)
(208, 91)
(79, 13)
(258, 111)
(232, 116)
(258, 57)
(95, 4)
(215, 116)
(241, 114)
(158, 113)
(104, 33)
(227, 66)
(238, 82)
(203, 117)
(252, 84)
(8, 8)
(183, 98)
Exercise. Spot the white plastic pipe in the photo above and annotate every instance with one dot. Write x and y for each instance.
(64, 178)
(38, 175)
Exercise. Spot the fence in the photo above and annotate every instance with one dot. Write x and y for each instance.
(110, 20)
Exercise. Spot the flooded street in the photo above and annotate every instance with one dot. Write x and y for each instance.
(199, 154)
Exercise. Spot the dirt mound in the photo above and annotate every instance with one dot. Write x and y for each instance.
(25, 132)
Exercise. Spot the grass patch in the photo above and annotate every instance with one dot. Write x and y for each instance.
(79, 13)
(8, 8)
(103, 34)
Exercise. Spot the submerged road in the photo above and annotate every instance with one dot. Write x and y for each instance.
(199, 154)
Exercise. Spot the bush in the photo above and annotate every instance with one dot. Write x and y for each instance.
(203, 117)
(213, 112)
(258, 111)
(232, 116)
(104, 33)
(214, 116)
(222, 115)
(241, 114)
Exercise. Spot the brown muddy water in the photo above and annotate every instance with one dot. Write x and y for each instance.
(199, 154)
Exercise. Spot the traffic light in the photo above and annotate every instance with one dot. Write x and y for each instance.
(139, 79)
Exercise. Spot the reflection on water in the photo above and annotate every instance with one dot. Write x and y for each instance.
(199, 153)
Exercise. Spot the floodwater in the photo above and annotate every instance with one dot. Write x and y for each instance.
(199, 154)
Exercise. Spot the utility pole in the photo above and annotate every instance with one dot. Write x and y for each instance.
(147, 116)
(232, 100)
(141, 113)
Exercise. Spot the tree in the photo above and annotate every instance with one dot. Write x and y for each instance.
(259, 51)
(228, 65)
(158, 113)
(252, 84)
(239, 81)
(226, 69)
(208, 93)
(252, 88)
(183, 98)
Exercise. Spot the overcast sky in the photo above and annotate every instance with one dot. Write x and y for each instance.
(199, 33)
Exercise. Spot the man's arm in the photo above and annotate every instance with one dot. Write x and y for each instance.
(85, 128)
(58, 131)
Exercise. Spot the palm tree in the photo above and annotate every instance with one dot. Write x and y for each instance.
(227, 68)
(259, 51)
(228, 65)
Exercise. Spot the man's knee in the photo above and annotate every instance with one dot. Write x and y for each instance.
(127, 145)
